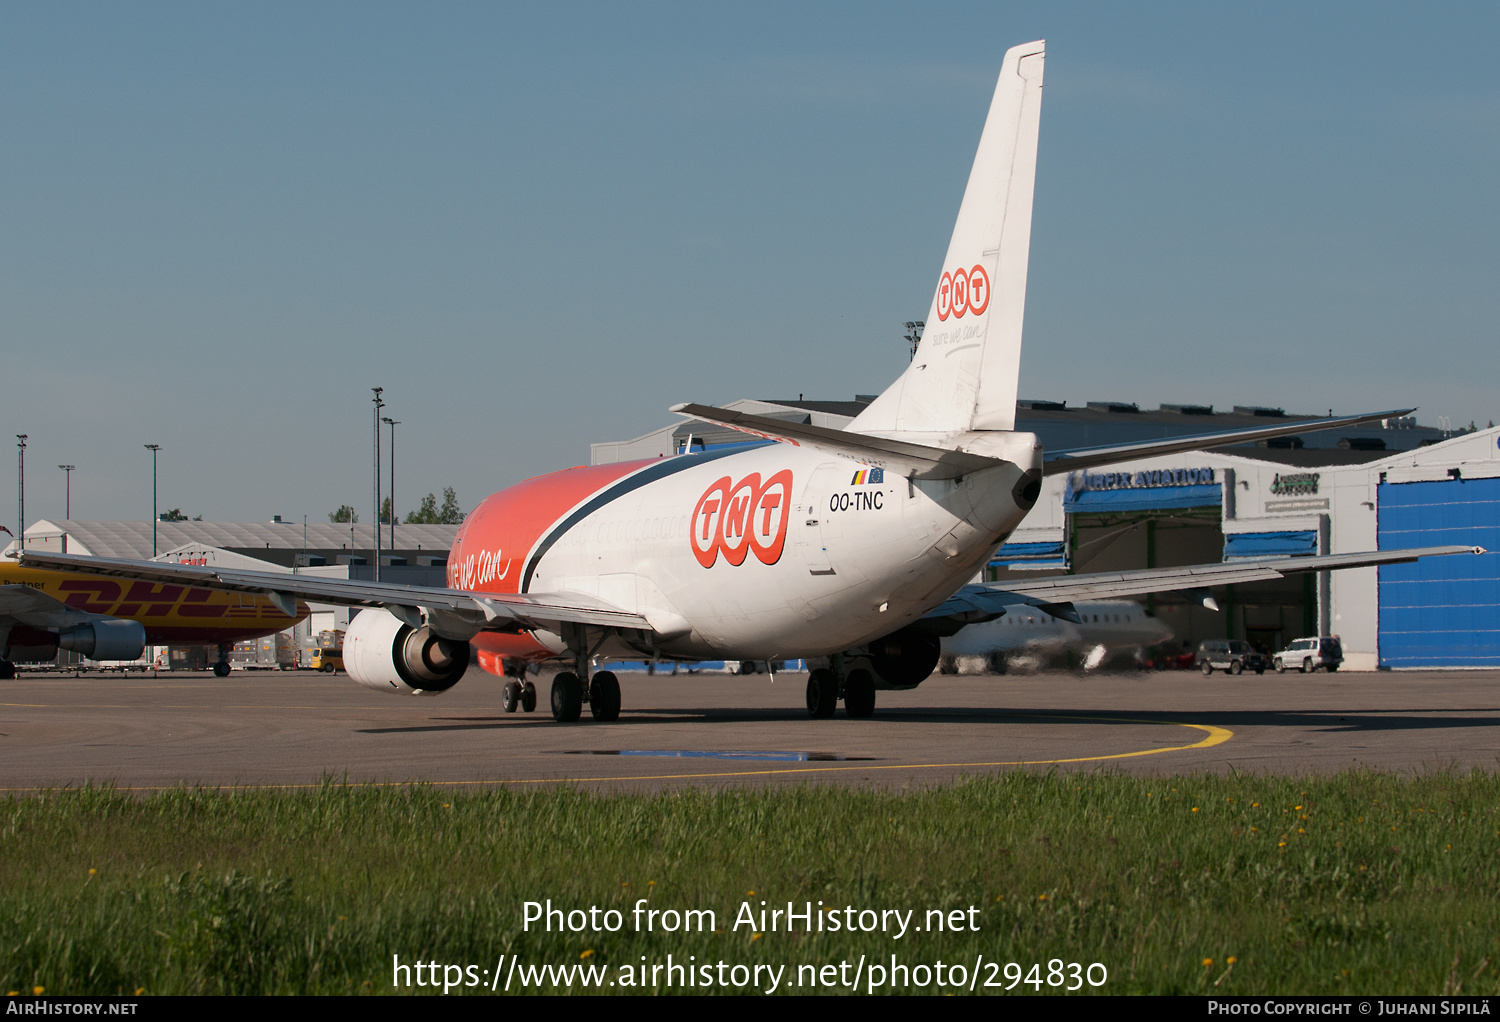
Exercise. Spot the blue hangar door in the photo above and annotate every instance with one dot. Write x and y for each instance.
(1440, 611)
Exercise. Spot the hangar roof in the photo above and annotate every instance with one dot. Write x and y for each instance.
(133, 539)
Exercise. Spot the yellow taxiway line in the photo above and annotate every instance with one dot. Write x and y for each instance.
(1213, 736)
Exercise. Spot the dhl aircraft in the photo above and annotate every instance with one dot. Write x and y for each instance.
(850, 545)
(43, 610)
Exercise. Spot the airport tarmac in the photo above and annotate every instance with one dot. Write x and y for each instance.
(291, 729)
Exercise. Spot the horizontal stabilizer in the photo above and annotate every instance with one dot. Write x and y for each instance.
(1057, 462)
(897, 456)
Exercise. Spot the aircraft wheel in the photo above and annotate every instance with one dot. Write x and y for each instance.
(510, 696)
(528, 697)
(567, 698)
(747, 666)
(996, 663)
(7, 670)
(822, 694)
(859, 693)
(221, 669)
(1236, 667)
(1307, 667)
(948, 665)
(604, 696)
(1208, 668)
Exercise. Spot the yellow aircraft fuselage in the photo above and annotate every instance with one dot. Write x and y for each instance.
(171, 614)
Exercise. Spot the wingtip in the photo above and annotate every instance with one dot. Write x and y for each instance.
(679, 407)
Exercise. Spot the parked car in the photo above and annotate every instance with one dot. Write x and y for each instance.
(1230, 655)
(1307, 655)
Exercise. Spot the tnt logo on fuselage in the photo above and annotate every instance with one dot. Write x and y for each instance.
(736, 519)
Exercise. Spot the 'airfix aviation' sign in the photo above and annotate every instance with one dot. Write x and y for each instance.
(1142, 479)
(738, 518)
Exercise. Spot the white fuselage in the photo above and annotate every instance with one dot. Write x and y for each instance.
(778, 552)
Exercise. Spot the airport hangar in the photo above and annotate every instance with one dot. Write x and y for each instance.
(1388, 485)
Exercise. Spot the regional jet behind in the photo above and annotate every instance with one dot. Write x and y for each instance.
(1094, 631)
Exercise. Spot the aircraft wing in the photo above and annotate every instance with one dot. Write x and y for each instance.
(902, 457)
(975, 603)
(23, 605)
(457, 609)
(1056, 462)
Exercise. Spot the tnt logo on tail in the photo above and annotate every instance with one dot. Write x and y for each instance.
(736, 519)
(963, 291)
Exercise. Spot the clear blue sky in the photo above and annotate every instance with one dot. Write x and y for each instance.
(540, 226)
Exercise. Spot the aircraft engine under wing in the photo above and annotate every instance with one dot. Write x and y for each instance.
(455, 613)
(975, 603)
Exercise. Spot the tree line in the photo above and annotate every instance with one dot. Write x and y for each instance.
(429, 513)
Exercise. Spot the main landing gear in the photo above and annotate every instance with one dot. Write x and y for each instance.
(221, 666)
(570, 688)
(823, 692)
(567, 697)
(7, 670)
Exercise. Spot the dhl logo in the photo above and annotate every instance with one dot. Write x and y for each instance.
(736, 519)
(104, 596)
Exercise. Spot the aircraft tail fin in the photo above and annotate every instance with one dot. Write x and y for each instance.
(965, 371)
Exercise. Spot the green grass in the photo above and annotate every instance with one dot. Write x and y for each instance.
(1358, 883)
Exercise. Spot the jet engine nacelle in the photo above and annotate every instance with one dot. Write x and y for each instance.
(904, 659)
(107, 638)
(388, 655)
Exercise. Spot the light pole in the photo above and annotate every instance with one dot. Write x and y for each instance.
(393, 423)
(21, 489)
(379, 404)
(913, 335)
(153, 448)
(67, 500)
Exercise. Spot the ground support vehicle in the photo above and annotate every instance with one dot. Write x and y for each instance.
(1229, 655)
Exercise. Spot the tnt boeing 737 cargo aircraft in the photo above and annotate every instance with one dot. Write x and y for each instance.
(851, 545)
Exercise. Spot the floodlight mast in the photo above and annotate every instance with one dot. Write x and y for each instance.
(153, 448)
(67, 500)
(379, 404)
(21, 489)
(393, 423)
(913, 334)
